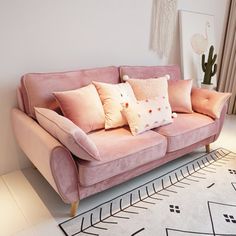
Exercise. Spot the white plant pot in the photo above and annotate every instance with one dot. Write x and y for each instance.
(207, 86)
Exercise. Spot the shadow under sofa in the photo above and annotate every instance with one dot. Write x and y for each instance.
(124, 156)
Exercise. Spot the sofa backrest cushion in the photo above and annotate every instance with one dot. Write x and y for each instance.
(37, 88)
(145, 72)
(20, 98)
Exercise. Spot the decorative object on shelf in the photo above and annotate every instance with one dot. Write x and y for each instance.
(196, 36)
(209, 68)
(163, 25)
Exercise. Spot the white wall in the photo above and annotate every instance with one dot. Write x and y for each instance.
(56, 35)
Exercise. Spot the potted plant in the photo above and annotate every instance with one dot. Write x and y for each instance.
(209, 68)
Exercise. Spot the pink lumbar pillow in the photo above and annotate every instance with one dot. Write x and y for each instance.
(147, 114)
(82, 106)
(180, 95)
(208, 102)
(69, 134)
(148, 88)
(112, 95)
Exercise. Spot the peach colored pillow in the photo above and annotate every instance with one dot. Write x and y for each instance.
(180, 95)
(112, 95)
(148, 88)
(67, 133)
(208, 102)
(82, 106)
(147, 114)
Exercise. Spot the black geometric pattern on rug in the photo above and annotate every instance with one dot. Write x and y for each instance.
(174, 209)
(101, 218)
(229, 218)
(226, 217)
(234, 185)
(232, 172)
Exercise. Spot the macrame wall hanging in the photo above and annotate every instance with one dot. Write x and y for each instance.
(163, 24)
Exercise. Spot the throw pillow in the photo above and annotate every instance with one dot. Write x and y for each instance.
(112, 95)
(148, 88)
(208, 102)
(63, 129)
(179, 92)
(82, 106)
(147, 114)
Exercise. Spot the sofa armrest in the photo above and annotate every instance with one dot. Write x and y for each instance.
(49, 156)
(208, 102)
(69, 134)
(221, 120)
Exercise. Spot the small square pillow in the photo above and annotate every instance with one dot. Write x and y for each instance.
(67, 133)
(148, 88)
(112, 95)
(180, 95)
(208, 102)
(82, 106)
(147, 114)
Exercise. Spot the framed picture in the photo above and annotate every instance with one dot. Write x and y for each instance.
(196, 36)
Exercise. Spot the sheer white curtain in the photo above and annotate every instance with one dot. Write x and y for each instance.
(227, 70)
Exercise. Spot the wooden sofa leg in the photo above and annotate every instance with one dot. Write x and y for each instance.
(208, 149)
(74, 208)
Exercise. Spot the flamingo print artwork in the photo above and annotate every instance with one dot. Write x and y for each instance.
(199, 42)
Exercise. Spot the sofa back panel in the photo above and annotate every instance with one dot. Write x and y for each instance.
(20, 99)
(38, 88)
(145, 72)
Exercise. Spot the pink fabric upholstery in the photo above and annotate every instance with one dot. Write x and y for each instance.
(48, 155)
(82, 106)
(187, 129)
(208, 102)
(20, 99)
(180, 95)
(67, 133)
(124, 157)
(65, 173)
(220, 121)
(145, 72)
(120, 152)
(37, 88)
(86, 191)
(117, 143)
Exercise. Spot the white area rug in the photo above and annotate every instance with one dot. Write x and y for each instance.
(198, 198)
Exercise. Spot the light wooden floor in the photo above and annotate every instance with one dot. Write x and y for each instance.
(30, 207)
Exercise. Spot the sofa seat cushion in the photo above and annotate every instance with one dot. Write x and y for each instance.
(120, 151)
(187, 129)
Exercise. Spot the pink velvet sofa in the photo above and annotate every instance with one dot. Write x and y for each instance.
(123, 156)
